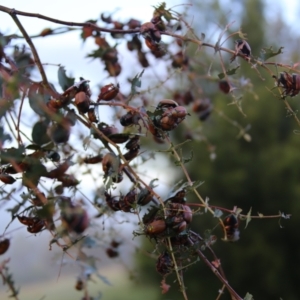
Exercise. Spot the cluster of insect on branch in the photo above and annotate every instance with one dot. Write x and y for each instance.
(40, 163)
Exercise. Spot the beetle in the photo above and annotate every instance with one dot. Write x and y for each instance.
(231, 224)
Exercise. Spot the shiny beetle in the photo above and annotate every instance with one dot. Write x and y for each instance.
(108, 92)
(37, 227)
(150, 32)
(179, 197)
(243, 47)
(172, 117)
(92, 115)
(112, 202)
(231, 224)
(94, 159)
(28, 221)
(128, 201)
(164, 264)
(133, 143)
(4, 245)
(130, 118)
(131, 154)
(166, 103)
(290, 84)
(155, 228)
(82, 102)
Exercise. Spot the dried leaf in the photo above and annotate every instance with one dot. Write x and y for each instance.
(164, 286)
(216, 263)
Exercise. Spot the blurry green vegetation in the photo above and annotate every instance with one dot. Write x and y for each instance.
(263, 174)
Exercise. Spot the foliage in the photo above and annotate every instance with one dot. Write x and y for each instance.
(49, 161)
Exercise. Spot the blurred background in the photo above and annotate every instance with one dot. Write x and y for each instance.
(263, 173)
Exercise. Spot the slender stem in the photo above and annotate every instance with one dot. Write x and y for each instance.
(19, 117)
(216, 272)
(31, 45)
(179, 278)
(85, 24)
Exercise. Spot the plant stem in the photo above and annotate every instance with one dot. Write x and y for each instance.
(31, 45)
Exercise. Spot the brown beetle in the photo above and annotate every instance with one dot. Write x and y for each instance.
(155, 228)
(28, 221)
(108, 92)
(112, 202)
(68, 180)
(166, 103)
(37, 227)
(92, 115)
(131, 154)
(290, 84)
(93, 159)
(231, 224)
(150, 32)
(171, 118)
(79, 285)
(82, 102)
(112, 253)
(164, 264)
(4, 245)
(179, 197)
(7, 178)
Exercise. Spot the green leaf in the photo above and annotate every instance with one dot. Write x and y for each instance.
(186, 160)
(136, 83)
(63, 80)
(39, 133)
(162, 11)
(15, 154)
(33, 147)
(267, 53)
(248, 217)
(33, 174)
(38, 99)
(89, 242)
(228, 72)
(4, 136)
(151, 184)
(195, 185)
(218, 213)
(206, 204)
(248, 297)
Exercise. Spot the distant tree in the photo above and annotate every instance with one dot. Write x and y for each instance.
(44, 166)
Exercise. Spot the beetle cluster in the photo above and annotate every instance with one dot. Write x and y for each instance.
(166, 117)
(174, 221)
(123, 203)
(289, 83)
(34, 224)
